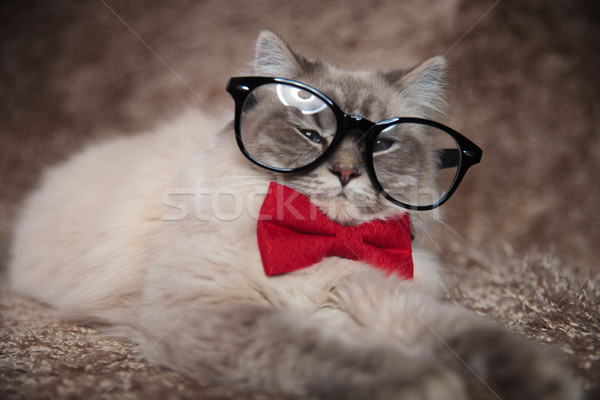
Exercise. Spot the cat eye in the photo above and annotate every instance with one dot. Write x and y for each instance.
(382, 144)
(415, 163)
(312, 135)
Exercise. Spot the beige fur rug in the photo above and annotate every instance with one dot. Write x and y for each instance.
(532, 295)
(520, 237)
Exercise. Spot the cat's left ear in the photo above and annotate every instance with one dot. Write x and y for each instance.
(275, 58)
(424, 84)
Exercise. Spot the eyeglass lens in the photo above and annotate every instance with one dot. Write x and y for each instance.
(415, 164)
(284, 126)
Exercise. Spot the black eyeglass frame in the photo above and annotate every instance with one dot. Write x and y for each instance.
(469, 153)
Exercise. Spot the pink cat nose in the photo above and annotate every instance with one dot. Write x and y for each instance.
(344, 174)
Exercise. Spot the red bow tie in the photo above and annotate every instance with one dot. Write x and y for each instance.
(294, 234)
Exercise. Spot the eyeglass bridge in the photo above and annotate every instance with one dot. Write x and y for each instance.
(357, 122)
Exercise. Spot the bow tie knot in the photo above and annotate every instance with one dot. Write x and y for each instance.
(294, 234)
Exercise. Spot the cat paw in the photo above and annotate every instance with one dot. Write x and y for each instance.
(499, 365)
(408, 380)
(426, 380)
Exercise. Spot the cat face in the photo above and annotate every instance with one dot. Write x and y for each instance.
(340, 186)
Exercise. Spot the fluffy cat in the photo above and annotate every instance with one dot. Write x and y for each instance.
(154, 238)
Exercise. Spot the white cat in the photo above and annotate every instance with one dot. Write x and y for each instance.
(154, 237)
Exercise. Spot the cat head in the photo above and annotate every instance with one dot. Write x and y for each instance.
(340, 186)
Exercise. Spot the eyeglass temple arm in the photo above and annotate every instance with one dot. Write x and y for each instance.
(449, 158)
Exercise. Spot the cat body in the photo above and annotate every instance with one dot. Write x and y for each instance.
(154, 237)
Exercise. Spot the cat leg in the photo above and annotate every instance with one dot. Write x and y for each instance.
(260, 348)
(507, 366)
(492, 362)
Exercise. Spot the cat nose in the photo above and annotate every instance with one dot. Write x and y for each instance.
(344, 174)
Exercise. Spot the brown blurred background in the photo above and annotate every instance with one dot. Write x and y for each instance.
(524, 84)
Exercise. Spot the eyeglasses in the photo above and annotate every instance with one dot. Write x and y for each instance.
(289, 127)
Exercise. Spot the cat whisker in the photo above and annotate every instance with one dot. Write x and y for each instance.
(424, 231)
(451, 230)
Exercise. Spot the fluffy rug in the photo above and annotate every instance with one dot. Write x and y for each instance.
(520, 237)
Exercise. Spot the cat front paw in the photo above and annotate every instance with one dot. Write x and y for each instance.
(497, 364)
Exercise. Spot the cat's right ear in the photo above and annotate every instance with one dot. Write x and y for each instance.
(275, 58)
(423, 85)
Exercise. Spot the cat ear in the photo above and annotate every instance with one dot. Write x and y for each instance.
(274, 57)
(424, 84)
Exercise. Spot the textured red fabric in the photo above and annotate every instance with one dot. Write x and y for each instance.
(294, 234)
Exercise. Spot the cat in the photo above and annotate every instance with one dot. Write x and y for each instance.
(154, 238)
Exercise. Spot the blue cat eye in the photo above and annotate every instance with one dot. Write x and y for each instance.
(289, 127)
